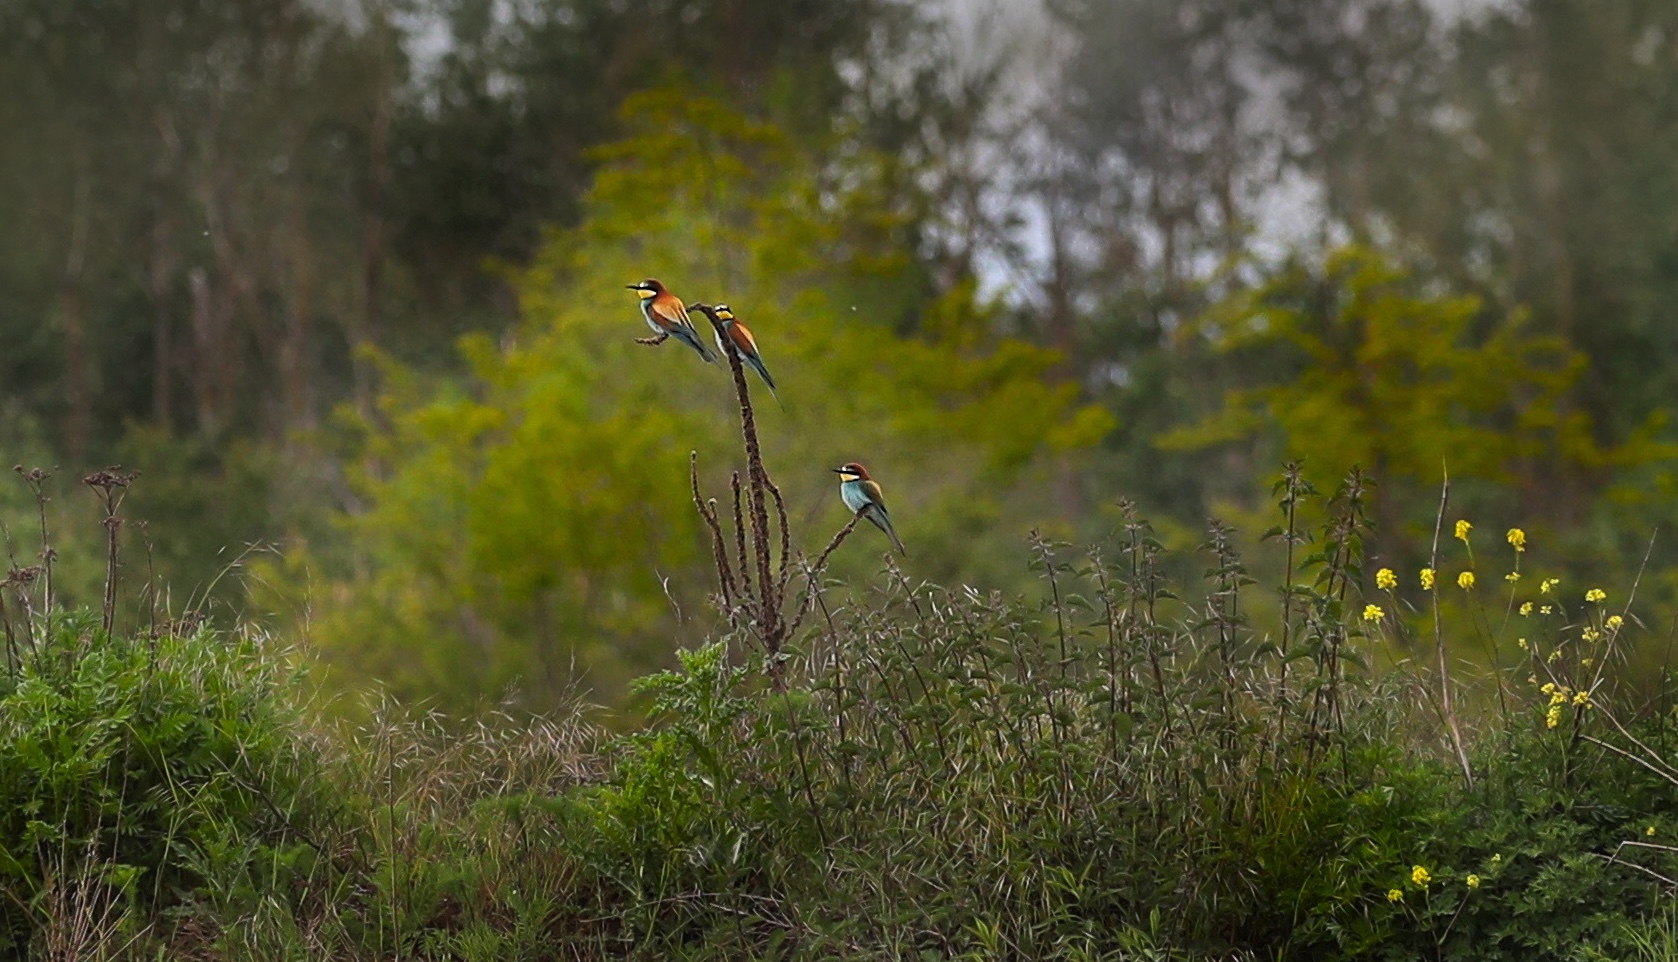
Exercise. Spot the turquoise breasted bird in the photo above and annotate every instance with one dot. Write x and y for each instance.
(734, 336)
(862, 495)
(668, 316)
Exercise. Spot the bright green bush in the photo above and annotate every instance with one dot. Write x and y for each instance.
(136, 773)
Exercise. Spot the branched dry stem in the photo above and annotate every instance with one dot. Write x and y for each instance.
(110, 486)
(762, 597)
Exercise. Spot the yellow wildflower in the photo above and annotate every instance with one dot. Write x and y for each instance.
(1462, 530)
(1465, 580)
(1473, 881)
(1526, 608)
(1545, 610)
(1590, 634)
(1427, 579)
(1582, 698)
(1553, 656)
(1548, 584)
(1649, 831)
(1517, 538)
(1394, 895)
(1585, 662)
(1552, 718)
(1512, 577)
(1549, 687)
(1373, 613)
(1596, 594)
(1417, 873)
(1614, 622)
(1386, 580)
(1522, 642)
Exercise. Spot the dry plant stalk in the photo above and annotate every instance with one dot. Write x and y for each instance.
(753, 585)
(1447, 708)
(110, 486)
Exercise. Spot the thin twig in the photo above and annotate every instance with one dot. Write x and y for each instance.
(1628, 755)
(784, 577)
(812, 573)
(740, 539)
(708, 512)
(1439, 636)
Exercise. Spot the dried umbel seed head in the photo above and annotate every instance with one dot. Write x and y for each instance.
(110, 479)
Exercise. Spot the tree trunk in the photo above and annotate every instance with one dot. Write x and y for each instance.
(72, 315)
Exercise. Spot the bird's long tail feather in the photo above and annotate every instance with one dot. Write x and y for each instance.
(768, 381)
(691, 339)
(883, 522)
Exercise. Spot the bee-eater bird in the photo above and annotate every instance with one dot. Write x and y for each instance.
(862, 496)
(735, 337)
(668, 316)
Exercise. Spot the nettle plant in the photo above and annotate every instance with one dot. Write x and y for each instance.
(1137, 765)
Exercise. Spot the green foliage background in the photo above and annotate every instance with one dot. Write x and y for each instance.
(533, 516)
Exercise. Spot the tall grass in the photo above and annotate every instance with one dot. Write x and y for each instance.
(1134, 767)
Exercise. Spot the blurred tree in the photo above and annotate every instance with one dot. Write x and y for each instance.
(536, 516)
(184, 165)
(1351, 361)
(495, 147)
(1564, 195)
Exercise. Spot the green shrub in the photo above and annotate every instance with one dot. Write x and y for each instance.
(1124, 772)
(137, 773)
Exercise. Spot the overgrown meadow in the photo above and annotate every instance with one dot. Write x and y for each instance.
(1273, 399)
(1472, 760)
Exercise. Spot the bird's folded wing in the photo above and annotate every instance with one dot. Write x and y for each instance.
(742, 338)
(670, 312)
(872, 487)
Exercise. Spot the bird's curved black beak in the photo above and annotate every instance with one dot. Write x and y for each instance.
(837, 470)
(632, 287)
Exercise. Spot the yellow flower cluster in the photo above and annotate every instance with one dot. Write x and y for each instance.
(1517, 538)
(1548, 584)
(1512, 577)
(1526, 608)
(1386, 580)
(1560, 696)
(1462, 530)
(1394, 895)
(1465, 580)
(1590, 634)
(1373, 613)
(1473, 881)
(1417, 873)
(1596, 595)
(1614, 622)
(1427, 579)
